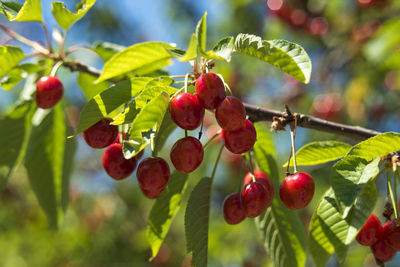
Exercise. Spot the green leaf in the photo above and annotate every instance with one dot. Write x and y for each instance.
(66, 18)
(330, 229)
(106, 50)
(281, 229)
(89, 88)
(18, 73)
(377, 146)
(191, 52)
(10, 56)
(320, 152)
(348, 178)
(150, 92)
(47, 157)
(14, 133)
(31, 10)
(197, 222)
(224, 48)
(201, 33)
(166, 128)
(126, 116)
(148, 120)
(286, 56)
(140, 59)
(164, 211)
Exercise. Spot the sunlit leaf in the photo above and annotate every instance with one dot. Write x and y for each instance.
(10, 56)
(166, 128)
(224, 48)
(197, 222)
(31, 10)
(286, 56)
(201, 33)
(17, 74)
(89, 88)
(191, 52)
(106, 50)
(66, 18)
(164, 210)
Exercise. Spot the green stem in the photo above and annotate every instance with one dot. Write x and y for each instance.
(292, 134)
(210, 140)
(216, 164)
(46, 32)
(392, 198)
(251, 166)
(55, 68)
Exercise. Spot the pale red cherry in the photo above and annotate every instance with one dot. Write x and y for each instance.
(115, 164)
(186, 111)
(210, 90)
(49, 91)
(153, 173)
(262, 178)
(371, 232)
(187, 154)
(233, 210)
(297, 190)
(101, 134)
(230, 114)
(254, 199)
(241, 140)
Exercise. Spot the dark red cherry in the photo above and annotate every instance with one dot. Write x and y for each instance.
(254, 199)
(49, 91)
(241, 140)
(186, 111)
(297, 190)
(233, 210)
(115, 164)
(210, 90)
(230, 114)
(262, 178)
(381, 249)
(371, 232)
(153, 173)
(391, 232)
(187, 154)
(152, 193)
(101, 134)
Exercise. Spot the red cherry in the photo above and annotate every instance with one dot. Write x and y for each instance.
(115, 164)
(49, 91)
(120, 137)
(153, 173)
(254, 199)
(381, 249)
(391, 233)
(152, 193)
(186, 111)
(101, 134)
(241, 140)
(187, 154)
(297, 190)
(262, 178)
(210, 90)
(371, 232)
(230, 114)
(233, 210)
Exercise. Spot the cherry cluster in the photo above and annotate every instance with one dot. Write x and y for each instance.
(152, 173)
(384, 241)
(49, 91)
(187, 111)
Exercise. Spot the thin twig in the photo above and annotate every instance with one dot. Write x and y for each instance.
(22, 39)
(46, 32)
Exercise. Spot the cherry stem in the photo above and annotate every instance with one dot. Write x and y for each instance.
(288, 165)
(292, 137)
(177, 76)
(201, 128)
(392, 197)
(55, 68)
(186, 133)
(210, 140)
(186, 81)
(251, 166)
(216, 163)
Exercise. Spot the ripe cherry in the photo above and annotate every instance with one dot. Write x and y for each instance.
(371, 232)
(186, 111)
(381, 249)
(49, 91)
(210, 90)
(241, 140)
(391, 232)
(262, 178)
(254, 199)
(101, 134)
(187, 154)
(152, 193)
(230, 114)
(297, 190)
(115, 164)
(153, 173)
(233, 210)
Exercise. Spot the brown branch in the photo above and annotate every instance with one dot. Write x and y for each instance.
(78, 66)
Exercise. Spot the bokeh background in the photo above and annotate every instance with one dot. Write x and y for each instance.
(354, 47)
